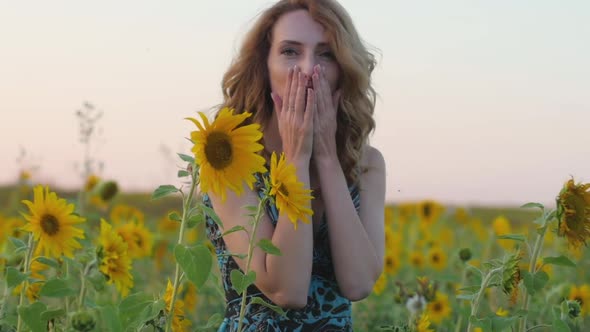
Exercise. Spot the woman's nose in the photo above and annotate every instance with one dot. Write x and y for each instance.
(307, 66)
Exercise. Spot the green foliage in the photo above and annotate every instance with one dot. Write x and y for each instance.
(195, 261)
(164, 190)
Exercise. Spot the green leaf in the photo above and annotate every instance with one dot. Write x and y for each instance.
(533, 205)
(51, 314)
(269, 247)
(515, 237)
(97, 280)
(48, 261)
(131, 308)
(212, 323)
(560, 326)
(14, 277)
(501, 323)
(234, 229)
(535, 282)
(196, 262)
(484, 323)
(151, 311)
(468, 297)
(174, 216)
(277, 309)
(31, 315)
(56, 288)
(110, 318)
(19, 245)
(194, 220)
(240, 281)
(209, 212)
(182, 173)
(186, 158)
(164, 190)
(559, 260)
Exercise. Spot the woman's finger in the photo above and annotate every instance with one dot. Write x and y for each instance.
(310, 109)
(293, 90)
(300, 97)
(319, 93)
(278, 103)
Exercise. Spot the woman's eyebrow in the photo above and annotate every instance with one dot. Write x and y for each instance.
(298, 43)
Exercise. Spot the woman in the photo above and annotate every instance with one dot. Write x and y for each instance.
(305, 75)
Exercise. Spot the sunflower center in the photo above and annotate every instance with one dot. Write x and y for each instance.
(426, 210)
(435, 258)
(283, 190)
(389, 262)
(579, 299)
(437, 307)
(218, 150)
(49, 224)
(138, 240)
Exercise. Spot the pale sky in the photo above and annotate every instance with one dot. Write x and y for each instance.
(480, 102)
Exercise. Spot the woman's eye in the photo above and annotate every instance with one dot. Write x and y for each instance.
(327, 55)
(289, 52)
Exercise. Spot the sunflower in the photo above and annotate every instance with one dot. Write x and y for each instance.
(501, 312)
(439, 308)
(582, 295)
(227, 155)
(417, 259)
(290, 195)
(391, 262)
(115, 262)
(9, 227)
(429, 212)
(91, 182)
(179, 322)
(407, 212)
(138, 238)
(437, 258)
(52, 222)
(501, 226)
(389, 216)
(423, 324)
(190, 297)
(511, 276)
(393, 240)
(122, 213)
(32, 289)
(380, 284)
(461, 215)
(573, 212)
(167, 225)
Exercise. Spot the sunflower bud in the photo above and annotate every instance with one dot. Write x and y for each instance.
(573, 309)
(83, 321)
(465, 254)
(573, 213)
(108, 190)
(511, 276)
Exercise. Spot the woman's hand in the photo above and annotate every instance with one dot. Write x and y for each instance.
(295, 117)
(324, 122)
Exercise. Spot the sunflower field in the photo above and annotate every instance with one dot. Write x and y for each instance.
(99, 259)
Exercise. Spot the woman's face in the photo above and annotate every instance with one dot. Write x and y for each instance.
(298, 40)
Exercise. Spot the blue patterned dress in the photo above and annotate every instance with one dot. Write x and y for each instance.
(326, 309)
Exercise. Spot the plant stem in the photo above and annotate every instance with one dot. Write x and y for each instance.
(83, 283)
(463, 279)
(250, 250)
(484, 285)
(538, 327)
(25, 283)
(177, 274)
(532, 270)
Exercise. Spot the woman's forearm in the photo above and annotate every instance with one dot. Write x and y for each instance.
(354, 257)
